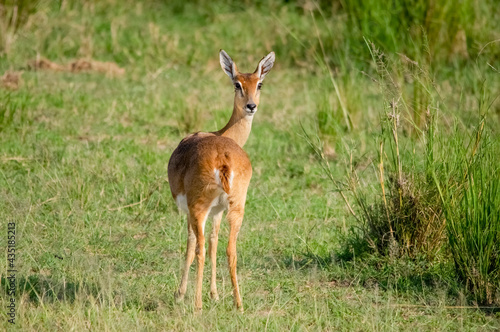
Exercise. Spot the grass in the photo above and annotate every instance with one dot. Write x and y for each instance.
(472, 214)
(83, 158)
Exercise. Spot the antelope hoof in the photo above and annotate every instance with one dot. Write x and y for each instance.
(178, 296)
(214, 296)
(239, 305)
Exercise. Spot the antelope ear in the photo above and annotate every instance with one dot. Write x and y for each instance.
(228, 65)
(265, 65)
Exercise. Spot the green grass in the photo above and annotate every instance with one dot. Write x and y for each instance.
(472, 212)
(100, 244)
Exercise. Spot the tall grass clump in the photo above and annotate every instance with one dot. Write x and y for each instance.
(472, 211)
(399, 210)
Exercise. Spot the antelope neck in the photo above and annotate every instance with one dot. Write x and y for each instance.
(238, 128)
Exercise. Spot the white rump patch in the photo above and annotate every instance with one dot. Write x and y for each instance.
(217, 177)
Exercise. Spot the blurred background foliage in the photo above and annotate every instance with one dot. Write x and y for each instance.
(445, 31)
(378, 124)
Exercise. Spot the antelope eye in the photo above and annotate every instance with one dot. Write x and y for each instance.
(259, 86)
(237, 86)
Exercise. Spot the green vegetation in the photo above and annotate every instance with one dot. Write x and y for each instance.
(375, 198)
(472, 214)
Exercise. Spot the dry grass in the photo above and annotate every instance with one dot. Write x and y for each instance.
(11, 80)
(77, 66)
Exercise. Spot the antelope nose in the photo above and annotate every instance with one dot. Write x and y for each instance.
(251, 107)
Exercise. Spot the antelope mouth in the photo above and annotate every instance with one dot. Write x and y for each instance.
(250, 111)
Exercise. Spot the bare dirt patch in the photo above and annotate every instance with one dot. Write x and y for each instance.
(11, 80)
(109, 68)
(45, 64)
(77, 66)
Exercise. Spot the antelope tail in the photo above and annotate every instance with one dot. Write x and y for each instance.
(225, 178)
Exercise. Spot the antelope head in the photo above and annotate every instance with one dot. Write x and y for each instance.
(246, 86)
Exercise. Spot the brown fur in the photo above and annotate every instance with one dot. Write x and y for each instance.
(191, 166)
(224, 177)
(237, 128)
(192, 172)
